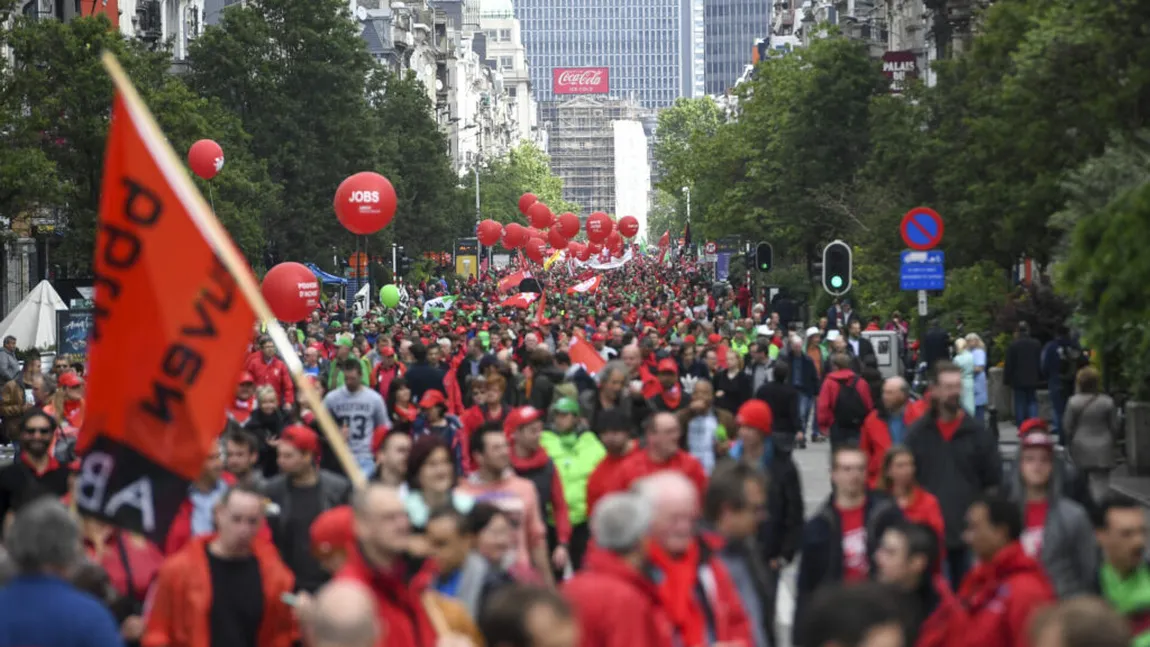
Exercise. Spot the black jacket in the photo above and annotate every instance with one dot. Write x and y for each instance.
(858, 360)
(935, 346)
(822, 547)
(423, 377)
(955, 471)
(783, 399)
(783, 529)
(334, 491)
(1023, 369)
(806, 377)
(736, 390)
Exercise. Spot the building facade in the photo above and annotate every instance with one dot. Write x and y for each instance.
(594, 157)
(732, 28)
(507, 54)
(645, 45)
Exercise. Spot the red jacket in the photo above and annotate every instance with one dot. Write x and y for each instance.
(945, 627)
(400, 601)
(830, 393)
(1001, 596)
(639, 464)
(603, 479)
(617, 606)
(875, 440)
(923, 508)
(274, 374)
(917, 409)
(181, 600)
(730, 620)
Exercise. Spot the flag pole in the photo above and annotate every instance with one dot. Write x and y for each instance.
(231, 259)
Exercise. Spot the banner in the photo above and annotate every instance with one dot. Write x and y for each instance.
(162, 296)
(584, 354)
(612, 264)
(512, 281)
(523, 300)
(438, 306)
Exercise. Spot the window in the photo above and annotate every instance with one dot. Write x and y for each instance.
(511, 92)
(506, 62)
(505, 34)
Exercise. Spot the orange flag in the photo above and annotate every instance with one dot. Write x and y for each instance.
(582, 352)
(171, 326)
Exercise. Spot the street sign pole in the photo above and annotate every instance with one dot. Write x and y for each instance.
(922, 310)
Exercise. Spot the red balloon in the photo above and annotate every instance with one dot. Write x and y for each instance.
(539, 215)
(365, 203)
(525, 202)
(534, 249)
(599, 227)
(628, 226)
(489, 232)
(583, 252)
(291, 290)
(595, 247)
(568, 223)
(556, 238)
(533, 232)
(514, 235)
(206, 158)
(614, 243)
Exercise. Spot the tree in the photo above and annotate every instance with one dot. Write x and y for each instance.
(523, 169)
(679, 134)
(667, 214)
(318, 110)
(59, 99)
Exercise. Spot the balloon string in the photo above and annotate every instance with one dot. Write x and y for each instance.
(211, 197)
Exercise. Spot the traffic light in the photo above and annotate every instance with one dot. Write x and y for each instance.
(837, 268)
(764, 257)
(402, 262)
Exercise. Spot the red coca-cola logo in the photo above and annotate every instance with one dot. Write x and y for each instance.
(581, 80)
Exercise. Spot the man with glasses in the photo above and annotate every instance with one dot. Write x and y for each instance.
(34, 473)
(60, 365)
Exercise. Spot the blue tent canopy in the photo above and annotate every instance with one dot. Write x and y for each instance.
(324, 277)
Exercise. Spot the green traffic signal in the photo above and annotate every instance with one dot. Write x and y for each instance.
(836, 282)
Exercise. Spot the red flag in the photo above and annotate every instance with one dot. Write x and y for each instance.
(523, 300)
(588, 286)
(512, 281)
(171, 326)
(665, 239)
(539, 316)
(584, 353)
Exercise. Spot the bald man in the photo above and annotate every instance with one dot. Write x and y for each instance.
(885, 427)
(343, 615)
(676, 548)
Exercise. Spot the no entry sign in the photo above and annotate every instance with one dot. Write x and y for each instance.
(921, 229)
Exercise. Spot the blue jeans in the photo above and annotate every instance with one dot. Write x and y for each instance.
(1025, 405)
(806, 403)
(1057, 405)
(980, 413)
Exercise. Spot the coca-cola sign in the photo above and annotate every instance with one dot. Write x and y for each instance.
(580, 80)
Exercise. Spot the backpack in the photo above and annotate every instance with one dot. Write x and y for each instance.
(850, 410)
(1069, 361)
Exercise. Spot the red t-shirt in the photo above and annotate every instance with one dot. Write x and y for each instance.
(856, 565)
(1034, 522)
(948, 429)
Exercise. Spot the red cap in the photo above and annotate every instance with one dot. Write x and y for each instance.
(332, 530)
(756, 415)
(387, 351)
(426, 328)
(377, 437)
(1032, 424)
(667, 365)
(689, 340)
(521, 416)
(1034, 432)
(246, 378)
(714, 338)
(598, 337)
(460, 330)
(302, 438)
(70, 378)
(431, 398)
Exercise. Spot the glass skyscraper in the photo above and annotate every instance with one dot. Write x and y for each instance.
(731, 28)
(648, 45)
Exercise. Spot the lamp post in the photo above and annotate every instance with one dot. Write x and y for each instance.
(687, 192)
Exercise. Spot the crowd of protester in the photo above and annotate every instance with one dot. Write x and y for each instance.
(520, 493)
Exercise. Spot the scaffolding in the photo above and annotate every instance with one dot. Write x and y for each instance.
(582, 147)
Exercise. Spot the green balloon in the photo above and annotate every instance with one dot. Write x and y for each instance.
(389, 296)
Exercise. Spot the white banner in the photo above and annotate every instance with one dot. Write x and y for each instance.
(362, 300)
(613, 264)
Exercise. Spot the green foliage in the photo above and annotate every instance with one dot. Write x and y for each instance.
(681, 132)
(667, 213)
(57, 100)
(319, 109)
(524, 169)
(976, 294)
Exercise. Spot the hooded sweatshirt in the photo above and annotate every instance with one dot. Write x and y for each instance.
(541, 471)
(1002, 595)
